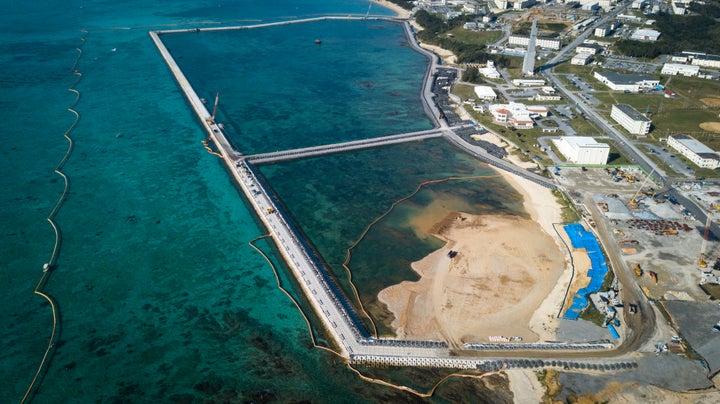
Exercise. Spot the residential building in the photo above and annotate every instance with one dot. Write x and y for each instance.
(602, 30)
(583, 150)
(678, 68)
(645, 35)
(581, 59)
(590, 48)
(546, 43)
(698, 153)
(631, 119)
(626, 82)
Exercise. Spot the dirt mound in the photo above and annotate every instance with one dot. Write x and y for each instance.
(712, 101)
(711, 126)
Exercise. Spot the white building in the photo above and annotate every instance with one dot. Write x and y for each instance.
(517, 115)
(631, 119)
(583, 150)
(678, 68)
(678, 8)
(581, 59)
(485, 93)
(524, 40)
(626, 82)
(706, 60)
(528, 82)
(645, 35)
(602, 31)
(590, 48)
(489, 70)
(698, 153)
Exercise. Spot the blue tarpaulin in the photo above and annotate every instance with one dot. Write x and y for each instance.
(580, 238)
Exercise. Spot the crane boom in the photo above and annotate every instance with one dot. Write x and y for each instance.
(632, 201)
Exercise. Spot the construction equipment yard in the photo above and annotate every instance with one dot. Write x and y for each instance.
(659, 247)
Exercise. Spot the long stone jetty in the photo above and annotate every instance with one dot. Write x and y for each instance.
(337, 315)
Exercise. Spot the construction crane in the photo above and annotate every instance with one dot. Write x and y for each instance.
(211, 120)
(633, 203)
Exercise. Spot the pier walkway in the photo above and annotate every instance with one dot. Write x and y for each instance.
(334, 310)
(342, 147)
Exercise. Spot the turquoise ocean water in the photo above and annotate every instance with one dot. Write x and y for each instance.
(160, 297)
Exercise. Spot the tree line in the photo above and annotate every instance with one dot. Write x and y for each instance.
(699, 32)
(435, 28)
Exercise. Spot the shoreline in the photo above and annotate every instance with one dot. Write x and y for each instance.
(511, 286)
(447, 56)
(399, 11)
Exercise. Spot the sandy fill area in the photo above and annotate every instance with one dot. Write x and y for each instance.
(710, 126)
(712, 101)
(504, 280)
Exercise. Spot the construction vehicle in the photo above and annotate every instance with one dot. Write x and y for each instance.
(701, 261)
(633, 201)
(638, 270)
(603, 206)
(618, 233)
(654, 276)
(269, 210)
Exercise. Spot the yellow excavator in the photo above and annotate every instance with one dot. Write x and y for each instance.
(701, 261)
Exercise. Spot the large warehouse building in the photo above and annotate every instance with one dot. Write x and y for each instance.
(583, 150)
(626, 82)
(698, 153)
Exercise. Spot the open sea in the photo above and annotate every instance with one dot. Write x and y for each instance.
(159, 296)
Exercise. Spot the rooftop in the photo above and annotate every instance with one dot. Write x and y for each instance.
(621, 78)
(633, 113)
(583, 141)
(695, 146)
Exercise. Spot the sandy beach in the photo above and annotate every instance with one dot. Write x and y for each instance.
(502, 282)
(401, 12)
(444, 54)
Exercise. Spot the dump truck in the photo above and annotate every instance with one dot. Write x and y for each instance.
(653, 275)
(638, 270)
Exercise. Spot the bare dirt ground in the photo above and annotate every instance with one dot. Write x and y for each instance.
(712, 101)
(504, 268)
(710, 126)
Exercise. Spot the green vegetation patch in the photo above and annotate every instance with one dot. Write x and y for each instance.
(468, 46)
(679, 32)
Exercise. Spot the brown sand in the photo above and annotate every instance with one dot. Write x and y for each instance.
(500, 280)
(399, 11)
(712, 101)
(711, 126)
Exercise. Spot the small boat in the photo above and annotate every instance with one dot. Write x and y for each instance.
(318, 42)
(46, 267)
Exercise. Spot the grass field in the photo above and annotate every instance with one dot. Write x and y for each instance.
(465, 36)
